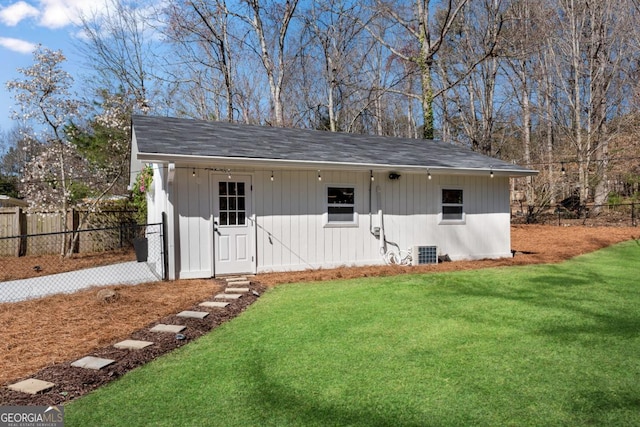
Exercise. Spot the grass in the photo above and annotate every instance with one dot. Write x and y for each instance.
(541, 345)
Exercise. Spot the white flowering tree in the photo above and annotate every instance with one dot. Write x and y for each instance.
(45, 106)
(56, 175)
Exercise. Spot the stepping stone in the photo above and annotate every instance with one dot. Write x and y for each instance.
(236, 279)
(132, 344)
(161, 327)
(31, 386)
(90, 362)
(236, 290)
(214, 304)
(240, 283)
(193, 314)
(229, 296)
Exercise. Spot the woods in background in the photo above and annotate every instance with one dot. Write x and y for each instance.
(549, 84)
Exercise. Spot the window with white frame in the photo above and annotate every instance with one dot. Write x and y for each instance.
(341, 205)
(452, 205)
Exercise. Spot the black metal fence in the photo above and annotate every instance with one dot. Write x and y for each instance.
(619, 214)
(36, 265)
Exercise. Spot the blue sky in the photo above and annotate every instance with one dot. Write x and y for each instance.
(26, 23)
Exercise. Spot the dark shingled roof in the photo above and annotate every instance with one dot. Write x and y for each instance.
(168, 136)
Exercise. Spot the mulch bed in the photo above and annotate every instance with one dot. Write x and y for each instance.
(71, 382)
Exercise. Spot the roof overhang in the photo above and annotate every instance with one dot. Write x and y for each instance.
(267, 164)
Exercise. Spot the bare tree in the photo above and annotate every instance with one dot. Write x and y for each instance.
(201, 33)
(270, 21)
(474, 98)
(118, 48)
(332, 37)
(420, 34)
(588, 56)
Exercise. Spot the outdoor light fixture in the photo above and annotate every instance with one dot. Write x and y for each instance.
(491, 173)
(428, 174)
(393, 176)
(194, 172)
(319, 176)
(371, 174)
(271, 176)
(562, 170)
(229, 172)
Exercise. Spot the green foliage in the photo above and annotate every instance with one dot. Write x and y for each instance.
(552, 345)
(8, 186)
(139, 193)
(614, 199)
(79, 191)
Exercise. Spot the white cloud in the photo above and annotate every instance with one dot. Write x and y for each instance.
(17, 45)
(60, 13)
(12, 15)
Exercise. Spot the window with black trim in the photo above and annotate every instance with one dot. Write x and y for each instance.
(340, 204)
(452, 205)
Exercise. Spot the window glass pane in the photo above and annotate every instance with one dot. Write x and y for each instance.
(340, 214)
(223, 203)
(241, 189)
(223, 218)
(241, 218)
(222, 188)
(232, 188)
(341, 195)
(232, 203)
(232, 218)
(241, 203)
(452, 196)
(451, 212)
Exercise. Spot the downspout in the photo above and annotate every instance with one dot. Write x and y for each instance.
(377, 232)
(382, 238)
(370, 204)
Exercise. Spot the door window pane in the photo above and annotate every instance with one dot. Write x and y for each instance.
(232, 203)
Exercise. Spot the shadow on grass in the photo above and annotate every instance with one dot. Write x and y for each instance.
(572, 295)
(280, 401)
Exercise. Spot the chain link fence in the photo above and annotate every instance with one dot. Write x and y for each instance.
(36, 265)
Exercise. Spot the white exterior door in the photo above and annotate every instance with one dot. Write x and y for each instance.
(232, 225)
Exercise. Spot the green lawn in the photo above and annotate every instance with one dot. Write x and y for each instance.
(540, 345)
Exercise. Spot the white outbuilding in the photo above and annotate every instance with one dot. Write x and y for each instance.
(251, 199)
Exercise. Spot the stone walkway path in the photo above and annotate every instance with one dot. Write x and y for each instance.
(233, 291)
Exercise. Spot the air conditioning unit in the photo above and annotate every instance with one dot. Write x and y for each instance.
(424, 255)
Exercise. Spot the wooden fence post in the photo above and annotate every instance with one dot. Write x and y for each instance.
(20, 229)
(73, 221)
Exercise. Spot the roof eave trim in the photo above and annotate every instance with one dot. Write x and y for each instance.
(307, 164)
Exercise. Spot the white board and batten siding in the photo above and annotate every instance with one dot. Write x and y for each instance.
(289, 219)
(193, 224)
(292, 235)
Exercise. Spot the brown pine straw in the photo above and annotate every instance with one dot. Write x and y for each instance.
(38, 333)
(62, 328)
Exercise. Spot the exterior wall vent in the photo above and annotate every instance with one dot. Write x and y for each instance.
(424, 255)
